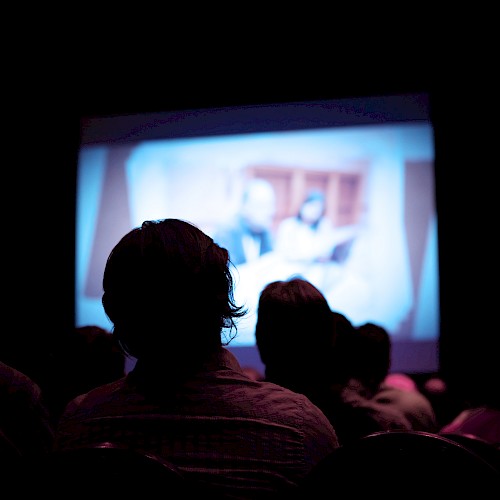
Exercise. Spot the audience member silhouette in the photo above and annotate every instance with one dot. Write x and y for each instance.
(369, 359)
(168, 291)
(296, 337)
(290, 314)
(89, 356)
(25, 427)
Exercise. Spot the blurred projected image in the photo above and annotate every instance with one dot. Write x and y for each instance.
(351, 209)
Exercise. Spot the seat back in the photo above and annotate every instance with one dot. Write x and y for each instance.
(108, 469)
(488, 451)
(396, 464)
(11, 461)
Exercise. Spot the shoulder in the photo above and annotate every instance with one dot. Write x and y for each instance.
(17, 384)
(9, 374)
(388, 395)
(388, 417)
(295, 418)
(267, 401)
(92, 400)
(287, 406)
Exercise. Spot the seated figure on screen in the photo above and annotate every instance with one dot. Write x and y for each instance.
(249, 235)
(309, 235)
(168, 291)
(307, 243)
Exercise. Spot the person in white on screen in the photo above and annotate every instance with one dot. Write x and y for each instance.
(309, 235)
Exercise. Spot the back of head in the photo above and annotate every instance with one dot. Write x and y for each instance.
(87, 357)
(294, 331)
(168, 289)
(343, 332)
(94, 358)
(371, 354)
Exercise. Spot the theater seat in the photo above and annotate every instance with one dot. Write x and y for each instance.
(488, 451)
(106, 469)
(399, 464)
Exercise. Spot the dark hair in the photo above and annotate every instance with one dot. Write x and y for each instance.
(313, 195)
(343, 332)
(371, 354)
(294, 329)
(168, 286)
(94, 357)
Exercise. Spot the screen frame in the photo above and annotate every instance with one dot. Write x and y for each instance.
(251, 118)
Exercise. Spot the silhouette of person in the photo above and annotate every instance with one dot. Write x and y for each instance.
(168, 291)
(369, 361)
(290, 314)
(308, 240)
(25, 418)
(84, 359)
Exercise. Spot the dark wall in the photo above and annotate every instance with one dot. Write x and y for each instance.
(466, 148)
